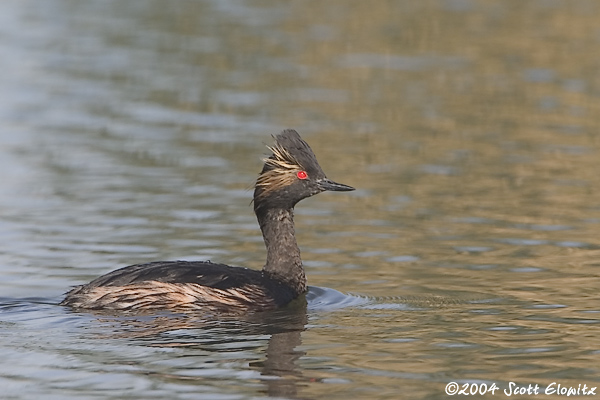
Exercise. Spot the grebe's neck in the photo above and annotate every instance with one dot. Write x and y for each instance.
(283, 254)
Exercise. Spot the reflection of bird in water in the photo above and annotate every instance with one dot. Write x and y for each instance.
(289, 175)
(205, 338)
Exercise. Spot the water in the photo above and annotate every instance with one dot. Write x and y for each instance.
(131, 132)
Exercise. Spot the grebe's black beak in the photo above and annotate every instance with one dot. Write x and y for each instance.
(326, 184)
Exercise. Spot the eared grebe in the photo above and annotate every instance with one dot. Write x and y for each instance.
(289, 175)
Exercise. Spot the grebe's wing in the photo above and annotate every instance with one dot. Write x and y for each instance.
(203, 273)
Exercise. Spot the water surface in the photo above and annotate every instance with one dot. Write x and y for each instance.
(131, 132)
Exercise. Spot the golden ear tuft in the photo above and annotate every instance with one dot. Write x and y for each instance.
(282, 158)
(282, 172)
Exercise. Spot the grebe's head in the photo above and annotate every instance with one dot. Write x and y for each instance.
(290, 174)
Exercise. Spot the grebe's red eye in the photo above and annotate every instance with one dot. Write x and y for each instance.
(302, 175)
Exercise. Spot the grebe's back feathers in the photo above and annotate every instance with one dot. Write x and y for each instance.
(200, 272)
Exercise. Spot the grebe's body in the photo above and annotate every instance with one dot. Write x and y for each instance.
(182, 286)
(289, 175)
